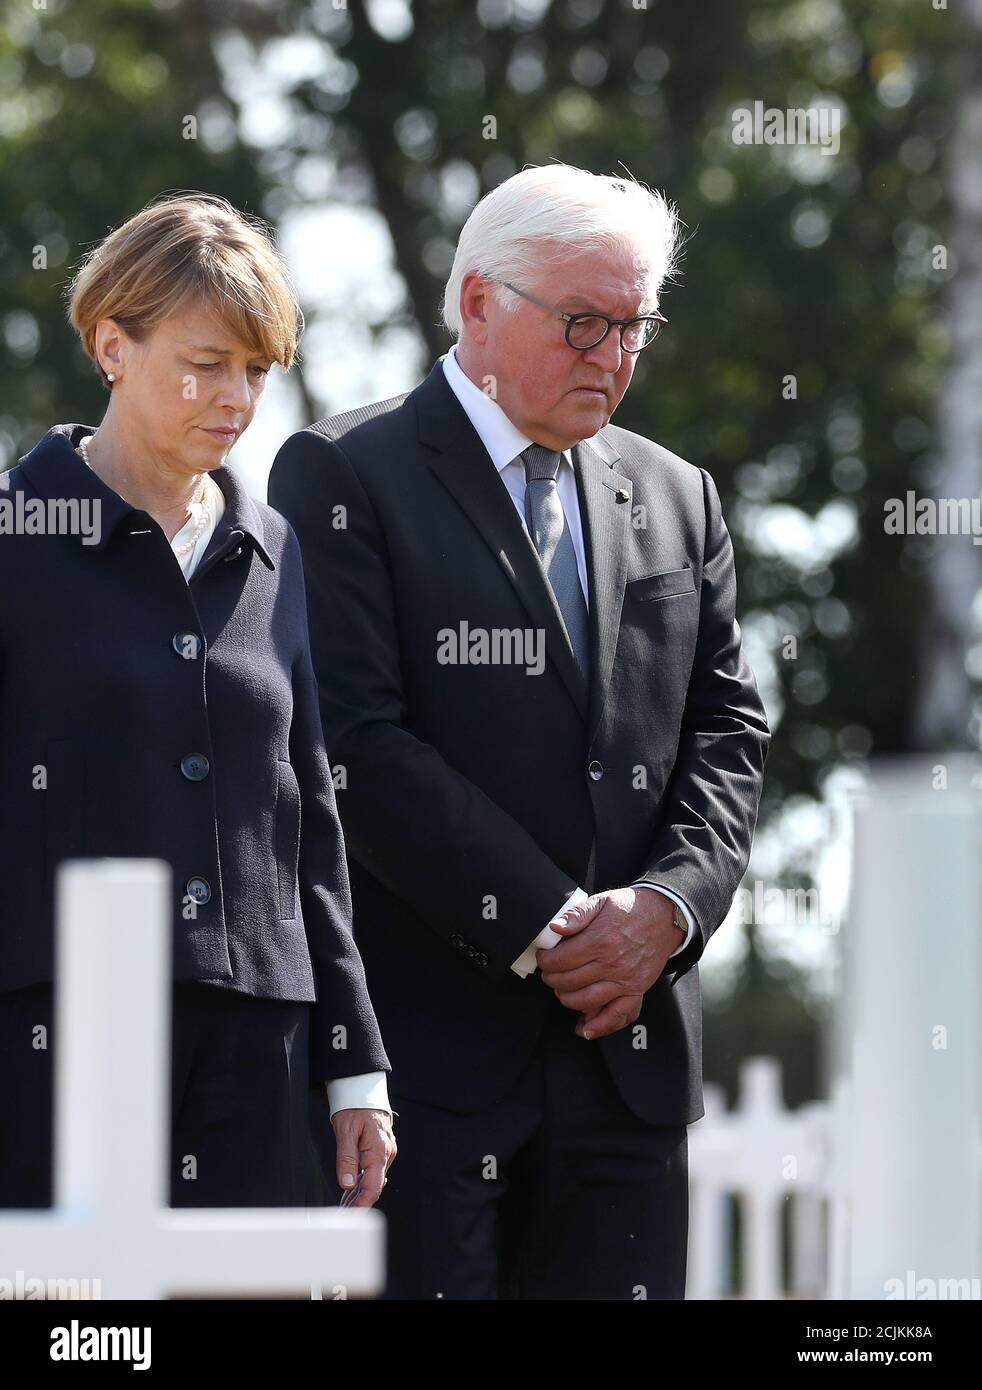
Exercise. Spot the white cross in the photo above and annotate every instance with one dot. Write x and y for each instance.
(910, 1037)
(748, 1151)
(110, 1219)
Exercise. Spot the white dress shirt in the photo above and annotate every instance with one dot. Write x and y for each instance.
(191, 559)
(368, 1090)
(504, 442)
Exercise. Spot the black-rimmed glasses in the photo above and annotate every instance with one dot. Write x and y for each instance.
(586, 330)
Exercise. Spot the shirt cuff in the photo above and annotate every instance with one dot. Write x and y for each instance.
(365, 1092)
(660, 887)
(546, 939)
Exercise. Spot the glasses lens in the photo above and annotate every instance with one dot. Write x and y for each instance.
(639, 334)
(587, 332)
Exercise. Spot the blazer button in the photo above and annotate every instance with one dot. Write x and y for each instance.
(457, 941)
(480, 959)
(186, 644)
(199, 890)
(195, 767)
(596, 770)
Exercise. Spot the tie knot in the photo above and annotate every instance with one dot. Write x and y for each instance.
(540, 463)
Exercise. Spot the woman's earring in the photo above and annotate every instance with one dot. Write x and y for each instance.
(110, 376)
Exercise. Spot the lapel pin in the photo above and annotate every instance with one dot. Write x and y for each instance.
(622, 494)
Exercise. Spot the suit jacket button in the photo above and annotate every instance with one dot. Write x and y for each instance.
(480, 959)
(596, 770)
(199, 890)
(186, 644)
(195, 767)
(457, 941)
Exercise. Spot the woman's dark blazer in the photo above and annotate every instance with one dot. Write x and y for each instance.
(141, 715)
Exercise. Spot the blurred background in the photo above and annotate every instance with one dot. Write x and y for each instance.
(824, 353)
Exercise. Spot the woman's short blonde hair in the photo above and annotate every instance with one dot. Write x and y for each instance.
(196, 248)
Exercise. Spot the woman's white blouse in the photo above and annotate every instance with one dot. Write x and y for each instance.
(190, 560)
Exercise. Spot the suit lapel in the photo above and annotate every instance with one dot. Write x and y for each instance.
(469, 475)
(605, 511)
(466, 470)
(464, 467)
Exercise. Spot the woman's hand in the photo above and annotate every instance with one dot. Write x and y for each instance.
(366, 1146)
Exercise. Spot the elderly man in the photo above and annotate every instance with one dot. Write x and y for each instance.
(548, 749)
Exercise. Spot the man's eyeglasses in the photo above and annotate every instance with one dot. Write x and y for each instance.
(584, 331)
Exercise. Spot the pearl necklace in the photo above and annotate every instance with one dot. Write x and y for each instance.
(204, 510)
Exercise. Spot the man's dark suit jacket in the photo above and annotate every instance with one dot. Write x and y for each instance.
(475, 798)
(175, 721)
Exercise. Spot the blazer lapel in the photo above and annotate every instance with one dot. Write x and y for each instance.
(465, 469)
(605, 510)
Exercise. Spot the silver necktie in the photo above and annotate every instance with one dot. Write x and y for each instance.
(550, 535)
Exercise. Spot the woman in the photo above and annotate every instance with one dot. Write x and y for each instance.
(157, 699)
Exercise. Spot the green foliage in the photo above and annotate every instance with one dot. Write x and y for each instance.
(94, 101)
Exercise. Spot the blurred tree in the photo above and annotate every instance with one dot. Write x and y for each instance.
(946, 714)
(102, 108)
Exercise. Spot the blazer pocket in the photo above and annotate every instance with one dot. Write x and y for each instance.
(64, 803)
(665, 584)
(287, 837)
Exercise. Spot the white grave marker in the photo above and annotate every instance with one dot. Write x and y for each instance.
(110, 1219)
(912, 1036)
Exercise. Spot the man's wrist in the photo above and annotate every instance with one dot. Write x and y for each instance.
(682, 916)
(526, 963)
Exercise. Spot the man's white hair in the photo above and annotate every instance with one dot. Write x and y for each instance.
(576, 210)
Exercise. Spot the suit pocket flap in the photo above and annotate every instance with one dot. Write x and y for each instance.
(663, 585)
